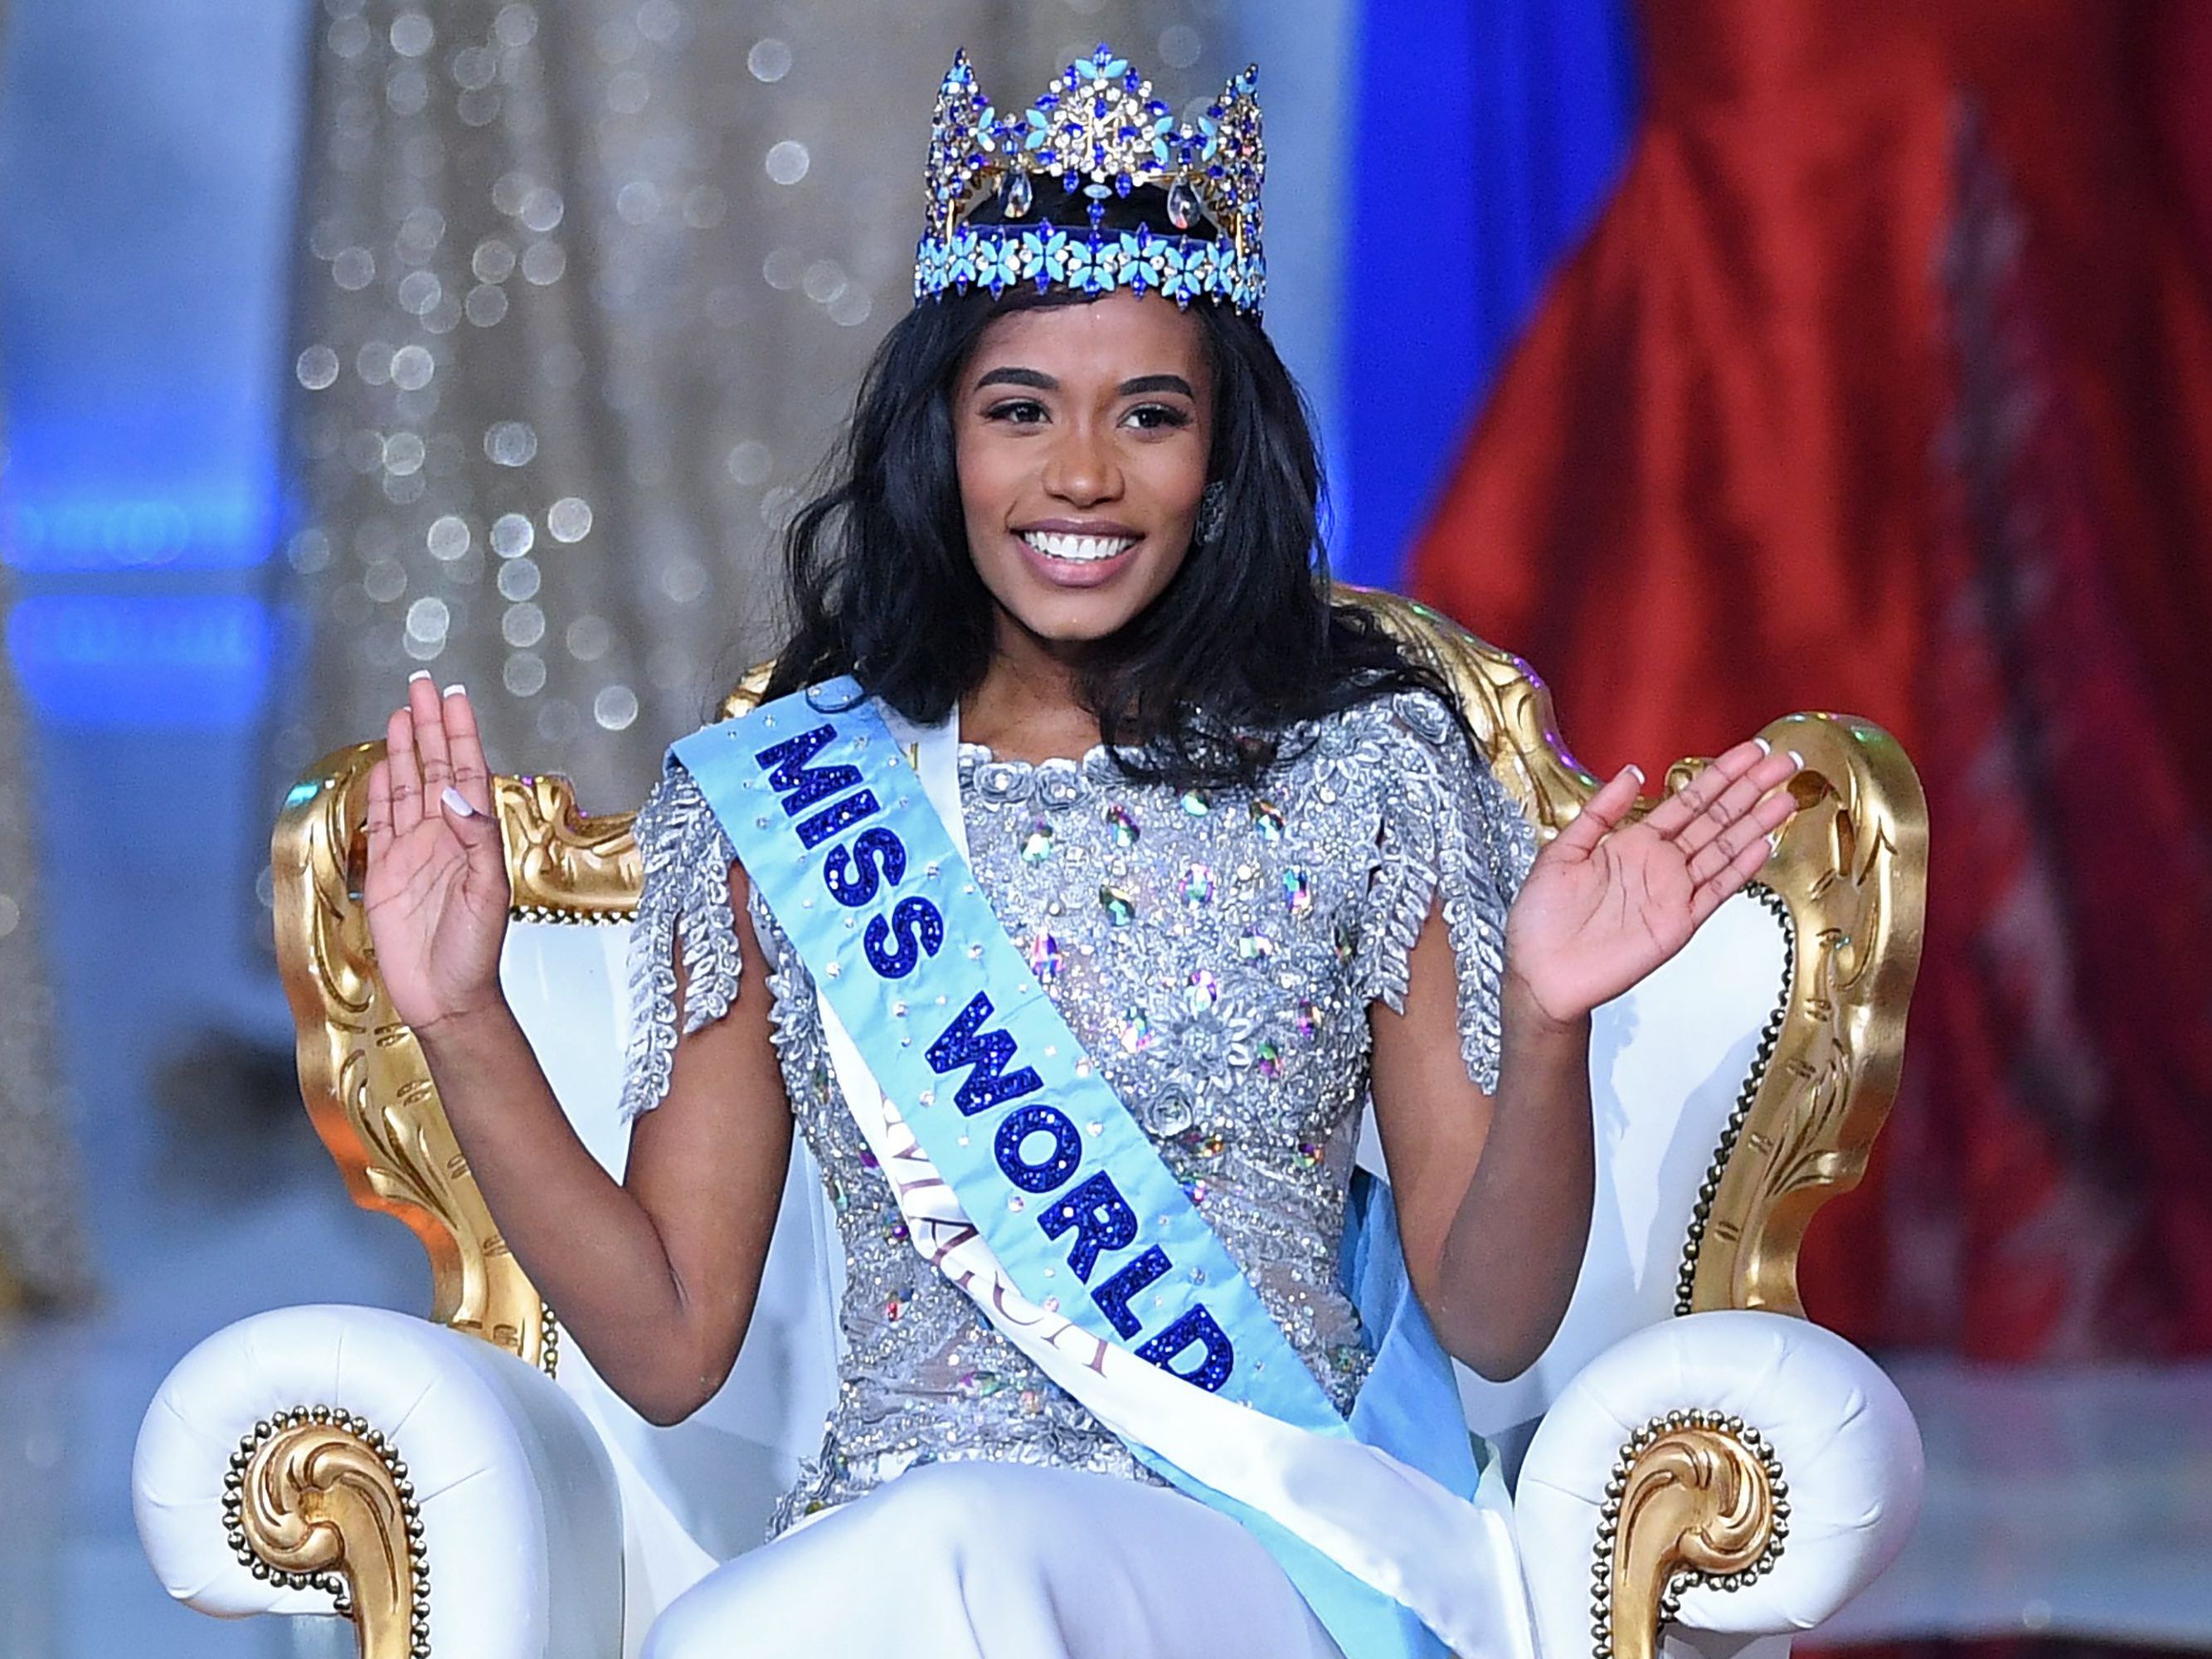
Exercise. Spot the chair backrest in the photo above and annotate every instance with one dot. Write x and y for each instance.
(1735, 1090)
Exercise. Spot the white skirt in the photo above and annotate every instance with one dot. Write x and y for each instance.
(983, 1560)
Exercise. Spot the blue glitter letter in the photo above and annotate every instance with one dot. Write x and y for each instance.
(1102, 1219)
(1196, 1326)
(1057, 1166)
(1114, 1297)
(800, 784)
(853, 877)
(965, 1043)
(919, 929)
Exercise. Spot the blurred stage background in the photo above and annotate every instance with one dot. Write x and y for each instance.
(1721, 356)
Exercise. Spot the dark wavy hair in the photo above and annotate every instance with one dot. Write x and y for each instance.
(1199, 688)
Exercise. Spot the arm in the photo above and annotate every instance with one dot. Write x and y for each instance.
(655, 1276)
(1494, 1192)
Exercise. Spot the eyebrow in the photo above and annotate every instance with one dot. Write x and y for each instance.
(1036, 381)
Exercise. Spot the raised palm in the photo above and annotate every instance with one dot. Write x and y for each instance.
(1610, 899)
(436, 891)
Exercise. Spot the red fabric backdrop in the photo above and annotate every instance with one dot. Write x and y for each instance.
(1885, 384)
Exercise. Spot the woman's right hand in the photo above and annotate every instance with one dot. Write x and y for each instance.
(436, 891)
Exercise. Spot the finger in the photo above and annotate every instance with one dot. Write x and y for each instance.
(478, 831)
(380, 801)
(1747, 834)
(1738, 799)
(429, 734)
(406, 779)
(1671, 815)
(1726, 883)
(465, 745)
(1603, 811)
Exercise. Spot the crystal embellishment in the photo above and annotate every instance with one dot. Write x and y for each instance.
(1099, 130)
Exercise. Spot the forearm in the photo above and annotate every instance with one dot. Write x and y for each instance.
(588, 1243)
(1516, 1240)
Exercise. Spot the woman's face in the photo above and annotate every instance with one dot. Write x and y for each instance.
(1083, 435)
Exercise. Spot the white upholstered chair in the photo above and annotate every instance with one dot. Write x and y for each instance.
(1696, 1463)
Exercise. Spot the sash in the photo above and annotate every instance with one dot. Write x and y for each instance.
(1024, 1180)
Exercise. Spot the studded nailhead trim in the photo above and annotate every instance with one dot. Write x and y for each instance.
(1608, 1527)
(333, 1583)
(571, 918)
(1702, 1214)
(549, 1340)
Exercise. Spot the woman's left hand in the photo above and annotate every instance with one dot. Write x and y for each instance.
(1608, 900)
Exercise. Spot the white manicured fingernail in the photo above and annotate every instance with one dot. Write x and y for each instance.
(1796, 760)
(457, 802)
(419, 674)
(1765, 747)
(453, 691)
(1638, 771)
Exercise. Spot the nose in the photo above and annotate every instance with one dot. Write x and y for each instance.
(1083, 470)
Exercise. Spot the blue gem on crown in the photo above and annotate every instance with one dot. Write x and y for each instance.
(1097, 129)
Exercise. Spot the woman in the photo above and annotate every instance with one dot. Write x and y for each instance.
(1245, 848)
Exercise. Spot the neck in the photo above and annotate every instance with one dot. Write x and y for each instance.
(1028, 707)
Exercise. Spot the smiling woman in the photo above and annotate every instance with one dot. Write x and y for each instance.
(1093, 868)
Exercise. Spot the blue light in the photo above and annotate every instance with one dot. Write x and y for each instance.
(201, 531)
(163, 660)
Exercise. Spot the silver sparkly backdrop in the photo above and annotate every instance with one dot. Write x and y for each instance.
(584, 291)
(42, 1248)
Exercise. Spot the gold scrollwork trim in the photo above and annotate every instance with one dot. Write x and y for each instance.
(316, 1499)
(1695, 1498)
(1850, 872)
(1762, 1059)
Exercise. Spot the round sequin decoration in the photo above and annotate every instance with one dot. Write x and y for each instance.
(1036, 846)
(1123, 825)
(1196, 886)
(1267, 820)
(1120, 908)
(1270, 1057)
(1297, 892)
(1045, 957)
(1251, 946)
(1136, 1031)
(1309, 1154)
(1200, 991)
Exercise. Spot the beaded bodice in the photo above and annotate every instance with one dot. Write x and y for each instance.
(1215, 952)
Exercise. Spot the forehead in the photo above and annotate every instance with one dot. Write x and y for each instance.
(1113, 339)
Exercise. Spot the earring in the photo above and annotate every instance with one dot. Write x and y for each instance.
(1213, 508)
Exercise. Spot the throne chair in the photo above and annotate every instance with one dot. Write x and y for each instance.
(1695, 1464)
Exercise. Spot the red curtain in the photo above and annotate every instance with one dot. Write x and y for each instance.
(1885, 384)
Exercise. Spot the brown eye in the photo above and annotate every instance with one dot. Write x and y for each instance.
(1157, 418)
(1017, 411)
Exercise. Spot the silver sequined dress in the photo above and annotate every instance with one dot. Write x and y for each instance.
(1216, 953)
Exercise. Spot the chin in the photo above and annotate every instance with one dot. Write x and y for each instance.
(1072, 604)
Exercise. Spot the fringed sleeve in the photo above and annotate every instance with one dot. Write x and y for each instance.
(685, 907)
(1449, 832)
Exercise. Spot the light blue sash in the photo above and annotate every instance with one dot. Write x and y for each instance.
(829, 820)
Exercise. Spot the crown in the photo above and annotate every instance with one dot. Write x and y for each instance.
(1098, 129)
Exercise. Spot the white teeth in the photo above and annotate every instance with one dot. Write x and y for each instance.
(1078, 550)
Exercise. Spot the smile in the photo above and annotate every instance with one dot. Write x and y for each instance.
(1078, 550)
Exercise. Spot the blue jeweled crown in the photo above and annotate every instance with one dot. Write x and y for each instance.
(1097, 129)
